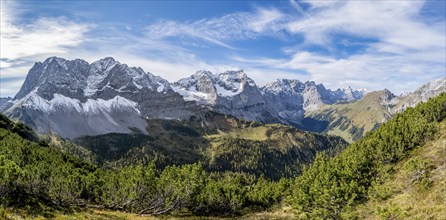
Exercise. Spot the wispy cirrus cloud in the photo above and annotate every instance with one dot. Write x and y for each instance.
(404, 50)
(42, 36)
(219, 30)
(23, 42)
(384, 44)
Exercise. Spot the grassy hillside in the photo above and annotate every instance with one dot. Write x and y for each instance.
(414, 188)
(352, 120)
(384, 168)
(285, 213)
(222, 143)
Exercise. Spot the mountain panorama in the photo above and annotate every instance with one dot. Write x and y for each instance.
(103, 138)
(109, 141)
(73, 98)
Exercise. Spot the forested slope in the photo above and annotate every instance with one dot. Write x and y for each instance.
(39, 178)
(222, 143)
(332, 187)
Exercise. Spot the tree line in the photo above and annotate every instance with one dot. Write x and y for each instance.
(32, 172)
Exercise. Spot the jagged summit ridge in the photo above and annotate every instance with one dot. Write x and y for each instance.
(79, 79)
(117, 97)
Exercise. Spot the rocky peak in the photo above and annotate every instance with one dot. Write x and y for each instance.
(235, 78)
(105, 64)
(80, 80)
(55, 74)
(231, 83)
(198, 79)
(56, 60)
(386, 95)
(99, 98)
(203, 74)
(310, 83)
(383, 97)
(349, 94)
(288, 86)
(113, 77)
(421, 94)
(435, 87)
(4, 102)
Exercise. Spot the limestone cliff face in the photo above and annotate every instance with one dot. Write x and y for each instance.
(75, 98)
(421, 94)
(232, 93)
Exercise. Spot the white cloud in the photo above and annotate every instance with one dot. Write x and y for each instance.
(391, 22)
(4, 64)
(298, 8)
(11, 89)
(403, 50)
(45, 35)
(42, 36)
(369, 70)
(265, 20)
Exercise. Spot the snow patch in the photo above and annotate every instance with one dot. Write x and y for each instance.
(193, 95)
(226, 93)
(160, 87)
(91, 106)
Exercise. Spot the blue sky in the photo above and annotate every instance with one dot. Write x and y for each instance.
(397, 45)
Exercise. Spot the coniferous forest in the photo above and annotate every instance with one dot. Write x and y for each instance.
(39, 178)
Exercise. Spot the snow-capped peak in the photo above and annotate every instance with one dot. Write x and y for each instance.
(197, 80)
(347, 94)
(283, 85)
(235, 77)
(435, 85)
(203, 73)
(198, 87)
(231, 83)
(59, 60)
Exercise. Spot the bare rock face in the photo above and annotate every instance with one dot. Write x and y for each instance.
(231, 92)
(421, 94)
(282, 101)
(75, 98)
(5, 103)
(56, 75)
(238, 95)
(199, 88)
(288, 100)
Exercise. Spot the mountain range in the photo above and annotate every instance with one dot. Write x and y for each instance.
(74, 98)
(115, 131)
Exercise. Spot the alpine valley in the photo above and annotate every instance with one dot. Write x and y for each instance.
(104, 136)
